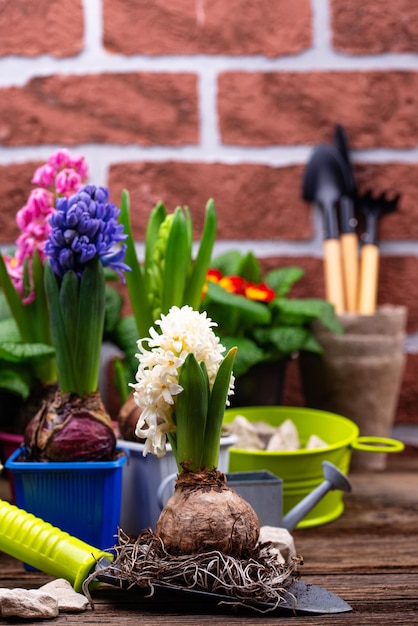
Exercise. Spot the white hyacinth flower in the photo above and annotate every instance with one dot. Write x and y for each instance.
(183, 331)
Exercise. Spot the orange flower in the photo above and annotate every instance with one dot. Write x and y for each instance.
(239, 286)
(260, 292)
(213, 275)
(233, 284)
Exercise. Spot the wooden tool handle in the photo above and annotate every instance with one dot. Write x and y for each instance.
(333, 274)
(349, 249)
(368, 279)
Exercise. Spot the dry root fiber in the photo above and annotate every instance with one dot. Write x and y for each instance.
(257, 579)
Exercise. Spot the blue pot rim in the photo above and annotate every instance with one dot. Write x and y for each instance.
(24, 466)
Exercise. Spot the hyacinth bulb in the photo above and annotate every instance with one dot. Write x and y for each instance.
(71, 428)
(205, 514)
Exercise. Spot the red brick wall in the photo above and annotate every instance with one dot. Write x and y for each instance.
(181, 100)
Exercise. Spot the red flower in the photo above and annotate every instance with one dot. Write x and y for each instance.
(239, 286)
(233, 284)
(213, 275)
(261, 292)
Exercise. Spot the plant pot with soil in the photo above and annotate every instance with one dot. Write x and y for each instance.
(73, 426)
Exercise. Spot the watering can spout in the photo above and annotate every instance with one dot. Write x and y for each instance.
(334, 479)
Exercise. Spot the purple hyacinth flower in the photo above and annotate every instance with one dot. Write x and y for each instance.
(83, 227)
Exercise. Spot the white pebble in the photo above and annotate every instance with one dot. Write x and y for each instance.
(69, 601)
(27, 603)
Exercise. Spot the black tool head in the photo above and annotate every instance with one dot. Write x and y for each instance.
(373, 208)
(340, 142)
(325, 183)
(325, 167)
(377, 205)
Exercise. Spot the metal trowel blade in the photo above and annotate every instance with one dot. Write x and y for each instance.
(310, 599)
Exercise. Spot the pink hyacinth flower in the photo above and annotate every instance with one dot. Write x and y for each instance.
(67, 182)
(44, 176)
(38, 207)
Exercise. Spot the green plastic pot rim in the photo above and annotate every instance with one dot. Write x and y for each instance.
(378, 444)
(290, 411)
(362, 444)
(372, 444)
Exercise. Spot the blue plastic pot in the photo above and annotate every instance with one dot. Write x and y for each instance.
(81, 498)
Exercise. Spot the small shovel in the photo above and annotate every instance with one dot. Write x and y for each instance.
(373, 208)
(324, 183)
(30, 539)
(348, 224)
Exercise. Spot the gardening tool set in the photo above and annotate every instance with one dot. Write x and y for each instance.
(329, 182)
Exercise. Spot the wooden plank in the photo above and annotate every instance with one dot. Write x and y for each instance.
(368, 557)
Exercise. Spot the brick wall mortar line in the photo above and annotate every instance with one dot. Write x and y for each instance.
(208, 112)
(93, 26)
(274, 156)
(16, 71)
(321, 35)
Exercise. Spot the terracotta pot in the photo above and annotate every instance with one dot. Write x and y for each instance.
(360, 373)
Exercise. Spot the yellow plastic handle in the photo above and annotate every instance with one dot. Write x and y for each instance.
(378, 444)
(53, 551)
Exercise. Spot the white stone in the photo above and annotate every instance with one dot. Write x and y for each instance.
(247, 437)
(286, 437)
(281, 539)
(69, 601)
(315, 442)
(27, 603)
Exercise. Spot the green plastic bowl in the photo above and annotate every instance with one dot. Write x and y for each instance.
(301, 470)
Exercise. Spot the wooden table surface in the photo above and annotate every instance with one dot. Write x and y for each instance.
(369, 557)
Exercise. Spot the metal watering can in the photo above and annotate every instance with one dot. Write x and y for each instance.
(263, 490)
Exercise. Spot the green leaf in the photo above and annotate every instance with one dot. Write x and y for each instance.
(250, 268)
(29, 353)
(156, 218)
(194, 287)
(4, 307)
(216, 410)
(303, 311)
(40, 321)
(312, 345)
(9, 330)
(247, 311)
(126, 337)
(189, 224)
(13, 299)
(26, 278)
(16, 381)
(178, 256)
(248, 354)
(90, 322)
(191, 408)
(285, 339)
(113, 309)
(229, 262)
(135, 278)
(68, 305)
(283, 278)
(120, 381)
(65, 363)
(329, 318)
